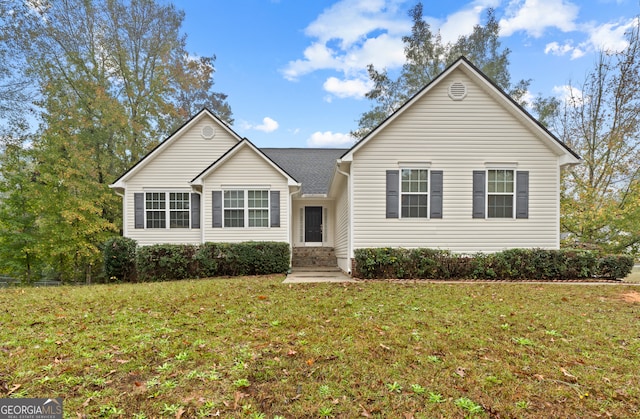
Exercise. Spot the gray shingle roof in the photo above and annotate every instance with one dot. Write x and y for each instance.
(313, 167)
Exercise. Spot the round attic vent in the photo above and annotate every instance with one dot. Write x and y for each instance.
(457, 90)
(208, 132)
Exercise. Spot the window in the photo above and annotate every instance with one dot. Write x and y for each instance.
(258, 208)
(155, 206)
(179, 210)
(246, 208)
(157, 210)
(500, 192)
(414, 193)
(234, 208)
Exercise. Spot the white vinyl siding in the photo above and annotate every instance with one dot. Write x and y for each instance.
(247, 171)
(173, 169)
(457, 137)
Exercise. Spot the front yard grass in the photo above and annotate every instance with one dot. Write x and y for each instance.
(257, 348)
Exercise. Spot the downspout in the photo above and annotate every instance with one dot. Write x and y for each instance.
(350, 230)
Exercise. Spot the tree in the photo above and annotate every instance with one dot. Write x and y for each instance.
(19, 233)
(426, 57)
(114, 79)
(601, 122)
(15, 89)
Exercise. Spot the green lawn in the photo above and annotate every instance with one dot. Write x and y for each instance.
(255, 348)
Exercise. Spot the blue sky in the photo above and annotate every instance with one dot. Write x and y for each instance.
(295, 70)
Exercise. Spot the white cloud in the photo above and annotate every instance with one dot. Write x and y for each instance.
(349, 21)
(567, 48)
(461, 22)
(330, 139)
(352, 34)
(268, 125)
(607, 37)
(535, 16)
(611, 36)
(355, 88)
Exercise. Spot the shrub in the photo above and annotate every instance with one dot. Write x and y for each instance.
(511, 264)
(247, 258)
(384, 262)
(164, 262)
(614, 266)
(119, 254)
(172, 261)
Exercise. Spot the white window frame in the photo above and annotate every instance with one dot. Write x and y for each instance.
(245, 207)
(167, 210)
(409, 193)
(512, 194)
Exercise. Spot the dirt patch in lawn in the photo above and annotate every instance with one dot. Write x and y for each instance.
(631, 297)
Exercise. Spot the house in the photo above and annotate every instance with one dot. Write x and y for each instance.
(460, 166)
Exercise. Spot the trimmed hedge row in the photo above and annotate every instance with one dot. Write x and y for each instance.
(512, 264)
(164, 262)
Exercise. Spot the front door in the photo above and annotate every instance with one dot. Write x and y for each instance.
(313, 224)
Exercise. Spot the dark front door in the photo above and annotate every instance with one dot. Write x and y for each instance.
(313, 224)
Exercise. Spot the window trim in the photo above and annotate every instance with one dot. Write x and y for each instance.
(245, 208)
(509, 168)
(167, 208)
(427, 193)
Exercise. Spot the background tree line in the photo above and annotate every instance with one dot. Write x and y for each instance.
(106, 80)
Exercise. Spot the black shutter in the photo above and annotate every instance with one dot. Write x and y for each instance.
(275, 208)
(522, 194)
(478, 193)
(138, 202)
(436, 194)
(217, 209)
(195, 210)
(393, 202)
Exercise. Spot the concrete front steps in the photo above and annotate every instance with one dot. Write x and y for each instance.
(313, 275)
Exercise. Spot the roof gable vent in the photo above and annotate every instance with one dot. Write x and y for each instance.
(208, 132)
(457, 90)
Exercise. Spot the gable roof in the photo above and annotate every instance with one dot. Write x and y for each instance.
(232, 152)
(313, 167)
(119, 182)
(568, 156)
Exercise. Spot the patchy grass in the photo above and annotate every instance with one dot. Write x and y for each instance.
(255, 348)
